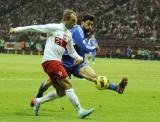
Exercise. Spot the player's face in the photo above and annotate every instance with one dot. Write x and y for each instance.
(72, 21)
(88, 25)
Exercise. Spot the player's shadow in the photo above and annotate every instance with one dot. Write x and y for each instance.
(49, 113)
(24, 112)
(30, 112)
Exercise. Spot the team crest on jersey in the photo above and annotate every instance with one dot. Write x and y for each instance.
(60, 73)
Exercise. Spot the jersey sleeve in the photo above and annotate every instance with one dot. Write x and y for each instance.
(71, 50)
(37, 28)
(80, 40)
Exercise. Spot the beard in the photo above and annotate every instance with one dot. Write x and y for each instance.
(86, 30)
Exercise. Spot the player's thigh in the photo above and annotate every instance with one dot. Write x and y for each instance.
(60, 90)
(88, 73)
(65, 83)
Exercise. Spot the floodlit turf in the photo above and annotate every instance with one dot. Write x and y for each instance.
(21, 75)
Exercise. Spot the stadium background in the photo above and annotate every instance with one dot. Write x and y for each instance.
(119, 24)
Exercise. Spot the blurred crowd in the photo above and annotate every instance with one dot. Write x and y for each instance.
(119, 23)
(135, 22)
(132, 53)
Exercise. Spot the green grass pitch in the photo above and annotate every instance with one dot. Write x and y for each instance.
(21, 75)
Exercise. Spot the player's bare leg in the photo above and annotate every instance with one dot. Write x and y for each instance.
(63, 87)
(88, 73)
(82, 113)
(59, 92)
(43, 87)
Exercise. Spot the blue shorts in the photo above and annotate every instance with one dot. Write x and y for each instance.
(71, 68)
(93, 52)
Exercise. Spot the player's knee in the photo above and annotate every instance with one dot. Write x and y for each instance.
(66, 84)
(48, 83)
(61, 93)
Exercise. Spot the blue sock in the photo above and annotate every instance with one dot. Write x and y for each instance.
(112, 86)
(41, 90)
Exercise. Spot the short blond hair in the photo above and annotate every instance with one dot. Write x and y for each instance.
(67, 14)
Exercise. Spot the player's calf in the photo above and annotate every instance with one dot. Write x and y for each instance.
(43, 87)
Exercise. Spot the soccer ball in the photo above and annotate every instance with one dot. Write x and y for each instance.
(102, 83)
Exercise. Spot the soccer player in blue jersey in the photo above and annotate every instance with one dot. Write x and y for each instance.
(79, 35)
(90, 57)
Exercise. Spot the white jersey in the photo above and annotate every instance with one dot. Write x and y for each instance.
(59, 39)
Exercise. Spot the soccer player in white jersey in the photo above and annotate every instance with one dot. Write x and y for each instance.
(59, 39)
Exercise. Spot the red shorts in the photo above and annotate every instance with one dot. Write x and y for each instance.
(55, 70)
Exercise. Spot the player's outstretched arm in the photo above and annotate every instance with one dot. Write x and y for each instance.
(35, 28)
(73, 53)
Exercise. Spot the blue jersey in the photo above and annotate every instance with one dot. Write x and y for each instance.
(92, 42)
(80, 41)
(80, 44)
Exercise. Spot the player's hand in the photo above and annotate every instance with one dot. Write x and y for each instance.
(11, 30)
(77, 61)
